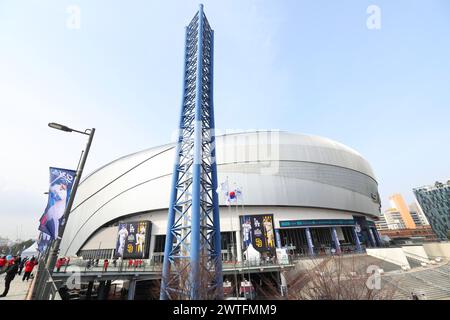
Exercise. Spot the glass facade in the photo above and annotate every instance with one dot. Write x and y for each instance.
(435, 203)
(97, 254)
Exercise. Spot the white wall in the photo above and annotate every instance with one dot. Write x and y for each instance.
(392, 255)
(106, 238)
(437, 249)
(417, 252)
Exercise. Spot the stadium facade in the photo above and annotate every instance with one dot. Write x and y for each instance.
(321, 194)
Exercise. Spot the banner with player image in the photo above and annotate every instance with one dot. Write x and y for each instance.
(61, 182)
(43, 242)
(259, 232)
(133, 241)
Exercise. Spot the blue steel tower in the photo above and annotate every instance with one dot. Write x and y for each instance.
(192, 267)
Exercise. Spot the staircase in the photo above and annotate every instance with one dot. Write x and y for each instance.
(434, 283)
(413, 262)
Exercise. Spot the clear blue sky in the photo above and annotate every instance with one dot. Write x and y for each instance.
(302, 66)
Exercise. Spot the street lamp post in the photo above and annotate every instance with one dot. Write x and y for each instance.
(53, 256)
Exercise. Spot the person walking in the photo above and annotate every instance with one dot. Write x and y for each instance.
(18, 260)
(58, 264)
(29, 266)
(11, 272)
(22, 265)
(105, 265)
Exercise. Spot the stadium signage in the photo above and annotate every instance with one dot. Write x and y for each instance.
(316, 223)
(133, 240)
(259, 232)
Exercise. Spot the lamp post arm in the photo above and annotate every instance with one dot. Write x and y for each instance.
(86, 132)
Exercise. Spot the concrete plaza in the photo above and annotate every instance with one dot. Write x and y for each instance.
(18, 289)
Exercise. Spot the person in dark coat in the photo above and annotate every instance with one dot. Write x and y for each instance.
(22, 265)
(10, 274)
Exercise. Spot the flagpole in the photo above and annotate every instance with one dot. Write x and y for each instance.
(233, 244)
(242, 255)
(248, 261)
(38, 241)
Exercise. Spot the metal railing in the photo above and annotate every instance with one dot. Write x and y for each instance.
(122, 266)
(45, 287)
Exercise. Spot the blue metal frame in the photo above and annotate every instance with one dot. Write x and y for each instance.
(310, 242)
(192, 267)
(335, 238)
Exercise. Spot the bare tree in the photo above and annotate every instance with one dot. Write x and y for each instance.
(333, 278)
(181, 284)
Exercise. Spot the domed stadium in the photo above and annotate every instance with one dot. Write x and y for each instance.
(320, 196)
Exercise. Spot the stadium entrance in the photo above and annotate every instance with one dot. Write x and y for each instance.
(296, 240)
(323, 236)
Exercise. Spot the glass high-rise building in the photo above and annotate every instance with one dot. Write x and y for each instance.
(435, 203)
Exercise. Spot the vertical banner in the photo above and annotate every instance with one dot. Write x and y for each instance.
(43, 242)
(133, 240)
(259, 231)
(361, 228)
(61, 182)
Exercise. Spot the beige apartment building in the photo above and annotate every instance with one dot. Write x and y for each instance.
(400, 205)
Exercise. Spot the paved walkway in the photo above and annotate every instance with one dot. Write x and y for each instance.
(18, 289)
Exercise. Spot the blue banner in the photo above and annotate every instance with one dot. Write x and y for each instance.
(61, 182)
(43, 242)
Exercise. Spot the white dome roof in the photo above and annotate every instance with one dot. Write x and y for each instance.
(273, 169)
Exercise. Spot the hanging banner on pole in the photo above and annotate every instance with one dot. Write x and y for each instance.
(61, 182)
(43, 242)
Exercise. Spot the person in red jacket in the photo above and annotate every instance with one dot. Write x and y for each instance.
(29, 266)
(2, 264)
(130, 263)
(59, 263)
(105, 265)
